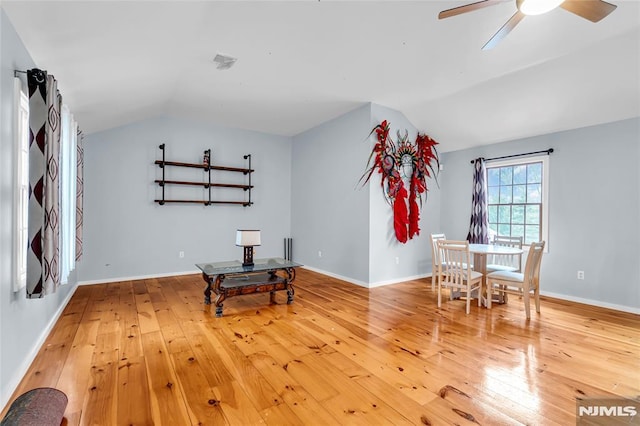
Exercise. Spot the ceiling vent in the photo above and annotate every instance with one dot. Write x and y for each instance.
(224, 62)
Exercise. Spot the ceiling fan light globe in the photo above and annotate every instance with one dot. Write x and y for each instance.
(537, 7)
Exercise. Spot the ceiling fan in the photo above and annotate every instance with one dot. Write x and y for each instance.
(593, 10)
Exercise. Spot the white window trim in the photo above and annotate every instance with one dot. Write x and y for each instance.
(21, 197)
(68, 169)
(544, 159)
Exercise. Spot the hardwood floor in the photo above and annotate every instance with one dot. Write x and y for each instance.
(149, 352)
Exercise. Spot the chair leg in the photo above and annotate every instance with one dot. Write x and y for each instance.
(489, 294)
(525, 297)
(480, 294)
(439, 294)
(536, 298)
(468, 301)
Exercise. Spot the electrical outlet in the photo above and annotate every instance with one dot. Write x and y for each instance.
(397, 260)
(181, 254)
(319, 253)
(581, 275)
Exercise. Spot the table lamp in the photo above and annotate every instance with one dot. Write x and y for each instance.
(247, 238)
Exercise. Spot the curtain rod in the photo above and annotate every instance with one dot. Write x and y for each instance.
(15, 72)
(547, 151)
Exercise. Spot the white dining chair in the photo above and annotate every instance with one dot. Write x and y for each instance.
(436, 258)
(506, 262)
(456, 273)
(526, 284)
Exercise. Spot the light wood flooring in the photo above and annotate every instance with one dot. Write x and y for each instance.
(149, 352)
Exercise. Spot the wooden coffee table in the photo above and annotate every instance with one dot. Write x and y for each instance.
(228, 279)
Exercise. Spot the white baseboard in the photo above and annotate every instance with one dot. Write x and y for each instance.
(20, 372)
(340, 277)
(138, 277)
(592, 302)
(568, 298)
(398, 280)
(364, 284)
(598, 303)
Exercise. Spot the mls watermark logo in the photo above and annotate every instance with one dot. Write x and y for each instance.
(607, 411)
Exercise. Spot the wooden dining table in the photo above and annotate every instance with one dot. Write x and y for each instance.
(480, 254)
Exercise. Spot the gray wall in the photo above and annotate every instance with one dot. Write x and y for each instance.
(594, 207)
(330, 210)
(350, 224)
(391, 261)
(24, 323)
(127, 234)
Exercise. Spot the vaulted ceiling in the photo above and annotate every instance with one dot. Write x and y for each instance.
(301, 63)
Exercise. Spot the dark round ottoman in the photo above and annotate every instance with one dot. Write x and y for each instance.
(37, 407)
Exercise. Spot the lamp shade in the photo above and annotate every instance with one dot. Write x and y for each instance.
(247, 237)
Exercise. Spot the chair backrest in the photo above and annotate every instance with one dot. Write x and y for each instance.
(502, 240)
(455, 265)
(508, 260)
(532, 267)
(435, 252)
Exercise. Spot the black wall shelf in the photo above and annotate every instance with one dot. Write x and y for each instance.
(206, 167)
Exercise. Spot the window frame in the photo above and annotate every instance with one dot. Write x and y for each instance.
(68, 180)
(21, 184)
(544, 202)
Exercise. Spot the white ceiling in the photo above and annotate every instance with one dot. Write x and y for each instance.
(305, 62)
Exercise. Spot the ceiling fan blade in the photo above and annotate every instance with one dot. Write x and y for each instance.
(467, 8)
(502, 32)
(593, 10)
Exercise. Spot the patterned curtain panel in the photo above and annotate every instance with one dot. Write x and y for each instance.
(43, 266)
(37, 82)
(79, 195)
(479, 226)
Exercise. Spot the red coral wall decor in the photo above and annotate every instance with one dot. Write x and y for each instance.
(404, 168)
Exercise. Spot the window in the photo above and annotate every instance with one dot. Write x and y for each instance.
(68, 183)
(21, 179)
(517, 194)
(68, 173)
